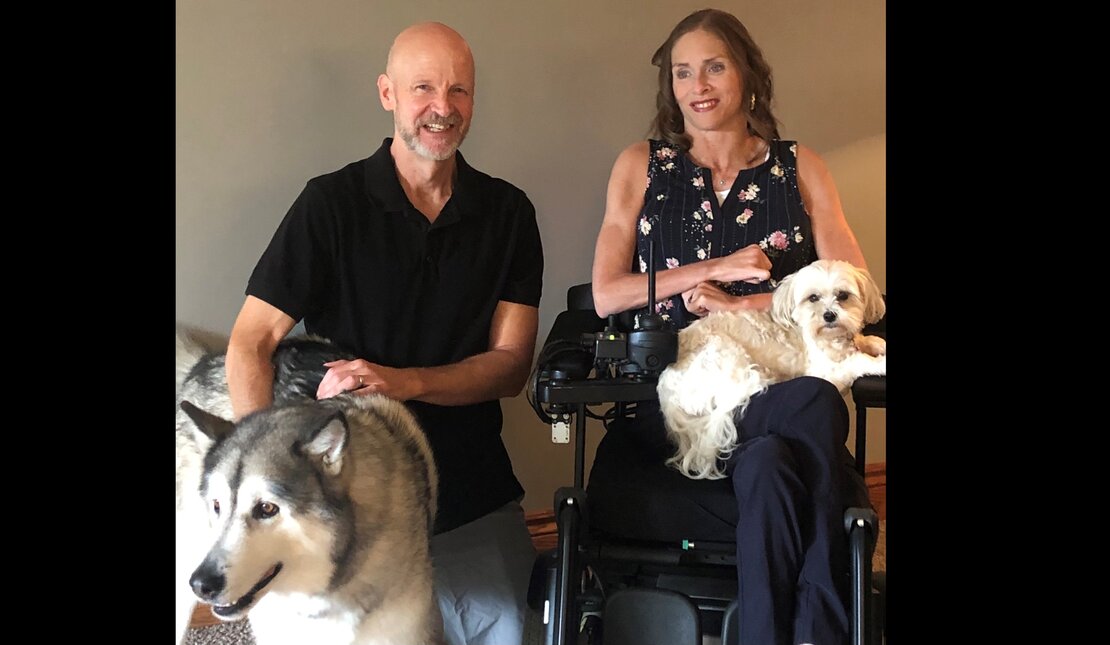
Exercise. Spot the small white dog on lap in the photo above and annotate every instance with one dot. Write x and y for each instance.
(812, 329)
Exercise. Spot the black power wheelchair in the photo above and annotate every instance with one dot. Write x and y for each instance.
(644, 555)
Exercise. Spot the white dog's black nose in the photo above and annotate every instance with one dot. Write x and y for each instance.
(830, 316)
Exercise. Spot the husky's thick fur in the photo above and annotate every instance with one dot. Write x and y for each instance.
(313, 516)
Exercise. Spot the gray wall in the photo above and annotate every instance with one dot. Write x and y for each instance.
(273, 92)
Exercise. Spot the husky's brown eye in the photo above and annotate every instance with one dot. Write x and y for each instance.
(842, 295)
(813, 297)
(265, 509)
(216, 506)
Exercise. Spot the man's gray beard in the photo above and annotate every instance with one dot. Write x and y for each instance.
(412, 140)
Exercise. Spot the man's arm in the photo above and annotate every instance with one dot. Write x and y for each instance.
(250, 374)
(497, 372)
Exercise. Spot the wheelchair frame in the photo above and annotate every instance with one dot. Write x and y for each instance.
(571, 397)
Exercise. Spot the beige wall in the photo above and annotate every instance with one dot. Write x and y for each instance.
(273, 92)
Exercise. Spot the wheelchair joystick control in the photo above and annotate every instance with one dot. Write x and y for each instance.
(652, 346)
(643, 352)
(576, 365)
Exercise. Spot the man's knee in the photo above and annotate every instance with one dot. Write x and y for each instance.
(482, 572)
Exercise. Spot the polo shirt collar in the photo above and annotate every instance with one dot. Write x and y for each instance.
(383, 186)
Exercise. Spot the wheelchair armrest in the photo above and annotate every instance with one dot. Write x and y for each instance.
(564, 351)
(570, 325)
(870, 391)
(567, 359)
(875, 329)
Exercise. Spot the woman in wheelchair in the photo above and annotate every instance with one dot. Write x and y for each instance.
(732, 209)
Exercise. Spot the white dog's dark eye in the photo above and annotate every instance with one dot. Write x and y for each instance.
(813, 297)
(842, 295)
(216, 507)
(262, 510)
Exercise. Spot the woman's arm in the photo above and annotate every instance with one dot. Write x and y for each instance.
(831, 234)
(615, 287)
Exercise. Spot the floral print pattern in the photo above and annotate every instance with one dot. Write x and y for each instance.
(779, 241)
(663, 308)
(749, 194)
(666, 158)
(688, 224)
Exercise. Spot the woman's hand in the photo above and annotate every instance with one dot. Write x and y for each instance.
(708, 297)
(749, 264)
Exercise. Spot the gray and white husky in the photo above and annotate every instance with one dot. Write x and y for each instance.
(313, 516)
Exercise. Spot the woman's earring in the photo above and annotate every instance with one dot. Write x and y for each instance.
(753, 102)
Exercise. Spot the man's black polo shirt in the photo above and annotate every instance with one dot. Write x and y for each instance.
(365, 269)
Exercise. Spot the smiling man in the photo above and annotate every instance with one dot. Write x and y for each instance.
(429, 86)
(429, 271)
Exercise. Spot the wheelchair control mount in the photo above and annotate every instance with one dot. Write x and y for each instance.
(646, 350)
(576, 367)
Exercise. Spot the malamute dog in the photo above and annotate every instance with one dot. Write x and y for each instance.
(313, 516)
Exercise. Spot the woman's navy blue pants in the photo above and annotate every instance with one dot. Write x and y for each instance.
(793, 479)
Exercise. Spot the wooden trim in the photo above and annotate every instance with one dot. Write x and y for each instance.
(545, 535)
(541, 525)
(202, 616)
(874, 475)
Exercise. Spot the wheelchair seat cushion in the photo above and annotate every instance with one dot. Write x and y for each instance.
(633, 495)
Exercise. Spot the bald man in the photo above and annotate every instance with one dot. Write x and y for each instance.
(430, 271)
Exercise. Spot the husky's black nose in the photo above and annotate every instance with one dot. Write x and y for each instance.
(207, 581)
(830, 316)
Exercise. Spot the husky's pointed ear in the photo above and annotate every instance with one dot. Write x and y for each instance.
(328, 444)
(874, 307)
(782, 302)
(214, 427)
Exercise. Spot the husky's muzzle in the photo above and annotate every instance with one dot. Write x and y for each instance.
(209, 584)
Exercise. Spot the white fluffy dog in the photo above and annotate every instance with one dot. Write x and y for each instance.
(812, 329)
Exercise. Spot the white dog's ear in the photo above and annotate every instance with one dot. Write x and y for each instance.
(782, 302)
(874, 307)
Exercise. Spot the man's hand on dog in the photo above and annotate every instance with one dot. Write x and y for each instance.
(366, 377)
